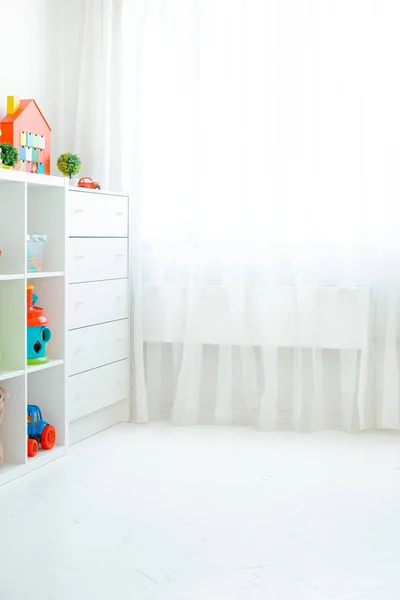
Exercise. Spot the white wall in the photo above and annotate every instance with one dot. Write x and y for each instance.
(65, 36)
(50, 69)
(23, 66)
(30, 71)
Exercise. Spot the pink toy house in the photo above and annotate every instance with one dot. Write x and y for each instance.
(25, 127)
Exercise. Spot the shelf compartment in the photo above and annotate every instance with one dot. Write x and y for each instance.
(46, 389)
(13, 426)
(12, 325)
(12, 228)
(46, 215)
(51, 296)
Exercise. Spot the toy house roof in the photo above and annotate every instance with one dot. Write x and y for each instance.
(23, 105)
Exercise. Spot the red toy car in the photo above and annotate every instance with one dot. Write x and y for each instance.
(86, 182)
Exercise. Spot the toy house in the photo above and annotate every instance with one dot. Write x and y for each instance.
(25, 127)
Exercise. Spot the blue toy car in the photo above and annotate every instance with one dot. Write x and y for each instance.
(39, 431)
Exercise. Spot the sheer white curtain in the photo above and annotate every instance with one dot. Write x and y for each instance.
(260, 142)
(85, 79)
(266, 151)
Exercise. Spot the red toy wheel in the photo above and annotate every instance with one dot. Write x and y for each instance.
(33, 447)
(48, 437)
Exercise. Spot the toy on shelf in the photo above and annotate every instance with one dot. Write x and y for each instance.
(4, 158)
(68, 164)
(39, 431)
(25, 128)
(4, 395)
(87, 182)
(9, 156)
(38, 332)
(35, 247)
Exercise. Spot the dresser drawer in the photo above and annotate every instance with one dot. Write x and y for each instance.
(96, 346)
(97, 302)
(97, 215)
(96, 259)
(97, 389)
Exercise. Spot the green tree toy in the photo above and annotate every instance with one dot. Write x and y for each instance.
(9, 155)
(69, 164)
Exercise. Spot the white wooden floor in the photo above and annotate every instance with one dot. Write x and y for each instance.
(207, 513)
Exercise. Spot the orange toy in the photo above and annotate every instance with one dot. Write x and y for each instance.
(36, 316)
(26, 129)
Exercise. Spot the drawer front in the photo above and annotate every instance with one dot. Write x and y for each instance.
(97, 346)
(97, 259)
(98, 302)
(97, 215)
(97, 389)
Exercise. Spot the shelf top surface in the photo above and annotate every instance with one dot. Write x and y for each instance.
(30, 275)
(11, 374)
(11, 176)
(97, 192)
(11, 276)
(43, 274)
(49, 365)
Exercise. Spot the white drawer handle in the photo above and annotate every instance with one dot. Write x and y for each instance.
(118, 297)
(78, 349)
(79, 256)
(78, 394)
(79, 210)
(119, 255)
(120, 213)
(120, 339)
(79, 302)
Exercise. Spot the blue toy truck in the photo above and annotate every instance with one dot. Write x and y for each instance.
(39, 431)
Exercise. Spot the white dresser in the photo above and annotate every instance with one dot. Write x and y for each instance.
(97, 258)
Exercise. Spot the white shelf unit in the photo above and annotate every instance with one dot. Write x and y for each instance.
(85, 293)
(31, 203)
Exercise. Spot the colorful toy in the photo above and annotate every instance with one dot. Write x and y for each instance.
(39, 431)
(38, 333)
(25, 127)
(4, 395)
(87, 182)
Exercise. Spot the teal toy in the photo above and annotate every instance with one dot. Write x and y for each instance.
(38, 332)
